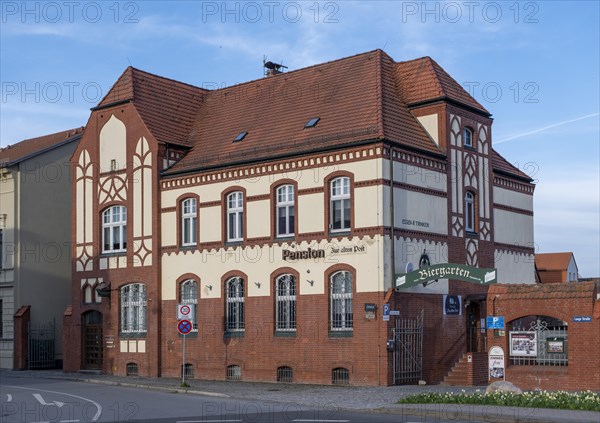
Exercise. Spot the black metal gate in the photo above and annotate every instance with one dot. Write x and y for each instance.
(408, 350)
(41, 351)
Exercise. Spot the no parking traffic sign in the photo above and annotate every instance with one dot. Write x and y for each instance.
(184, 326)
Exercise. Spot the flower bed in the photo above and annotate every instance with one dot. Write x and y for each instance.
(585, 400)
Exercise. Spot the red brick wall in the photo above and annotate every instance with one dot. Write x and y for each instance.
(562, 301)
(21, 320)
(312, 354)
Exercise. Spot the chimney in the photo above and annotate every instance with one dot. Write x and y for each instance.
(273, 68)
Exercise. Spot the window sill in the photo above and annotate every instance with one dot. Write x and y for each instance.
(471, 234)
(236, 334)
(234, 243)
(285, 334)
(345, 232)
(114, 253)
(132, 335)
(285, 238)
(470, 147)
(346, 333)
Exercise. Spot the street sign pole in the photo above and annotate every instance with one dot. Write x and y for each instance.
(183, 365)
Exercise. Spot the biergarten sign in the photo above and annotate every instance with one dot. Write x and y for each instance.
(446, 271)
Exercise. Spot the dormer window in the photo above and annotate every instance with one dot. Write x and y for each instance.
(312, 123)
(468, 137)
(240, 137)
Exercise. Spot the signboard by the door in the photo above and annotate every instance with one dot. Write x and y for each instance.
(452, 305)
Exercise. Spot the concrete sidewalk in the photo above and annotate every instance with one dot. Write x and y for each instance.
(375, 399)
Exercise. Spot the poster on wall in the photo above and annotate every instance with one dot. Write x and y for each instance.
(523, 344)
(496, 363)
(555, 345)
(452, 305)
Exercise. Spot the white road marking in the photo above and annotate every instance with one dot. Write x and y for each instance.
(43, 402)
(320, 421)
(8, 397)
(98, 406)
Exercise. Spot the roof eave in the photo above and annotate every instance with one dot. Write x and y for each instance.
(42, 151)
(447, 99)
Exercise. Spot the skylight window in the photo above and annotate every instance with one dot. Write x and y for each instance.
(312, 123)
(240, 137)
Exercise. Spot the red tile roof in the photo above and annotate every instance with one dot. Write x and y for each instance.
(553, 261)
(362, 98)
(499, 163)
(423, 80)
(28, 148)
(168, 107)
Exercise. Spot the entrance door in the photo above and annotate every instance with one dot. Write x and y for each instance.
(473, 311)
(92, 340)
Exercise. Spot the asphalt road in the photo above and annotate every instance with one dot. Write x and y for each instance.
(32, 400)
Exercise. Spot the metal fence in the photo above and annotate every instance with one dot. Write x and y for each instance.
(539, 341)
(408, 350)
(41, 351)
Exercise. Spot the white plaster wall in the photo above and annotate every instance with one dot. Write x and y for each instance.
(513, 199)
(169, 228)
(259, 214)
(430, 123)
(513, 228)
(6, 342)
(113, 144)
(416, 175)
(514, 267)
(259, 262)
(419, 208)
(7, 225)
(311, 213)
(368, 208)
(210, 224)
(572, 272)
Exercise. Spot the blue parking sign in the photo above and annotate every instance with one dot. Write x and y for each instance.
(495, 322)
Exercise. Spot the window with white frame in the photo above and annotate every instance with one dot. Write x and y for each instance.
(133, 308)
(235, 216)
(114, 229)
(469, 211)
(285, 213)
(235, 305)
(189, 296)
(285, 303)
(188, 221)
(467, 137)
(341, 301)
(340, 205)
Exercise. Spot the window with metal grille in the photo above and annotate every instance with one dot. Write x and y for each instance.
(234, 372)
(285, 303)
(469, 211)
(189, 296)
(189, 370)
(339, 219)
(235, 304)
(131, 369)
(538, 341)
(340, 376)
(188, 222)
(341, 318)
(235, 216)
(285, 213)
(284, 374)
(114, 229)
(133, 308)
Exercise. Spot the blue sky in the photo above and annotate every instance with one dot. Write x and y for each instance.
(534, 65)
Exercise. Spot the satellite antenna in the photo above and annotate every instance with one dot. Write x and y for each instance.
(272, 68)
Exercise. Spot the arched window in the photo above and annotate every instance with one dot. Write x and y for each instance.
(538, 341)
(285, 303)
(341, 301)
(114, 229)
(285, 213)
(235, 304)
(234, 372)
(131, 369)
(339, 219)
(188, 221)
(470, 211)
(133, 308)
(235, 216)
(467, 137)
(189, 296)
